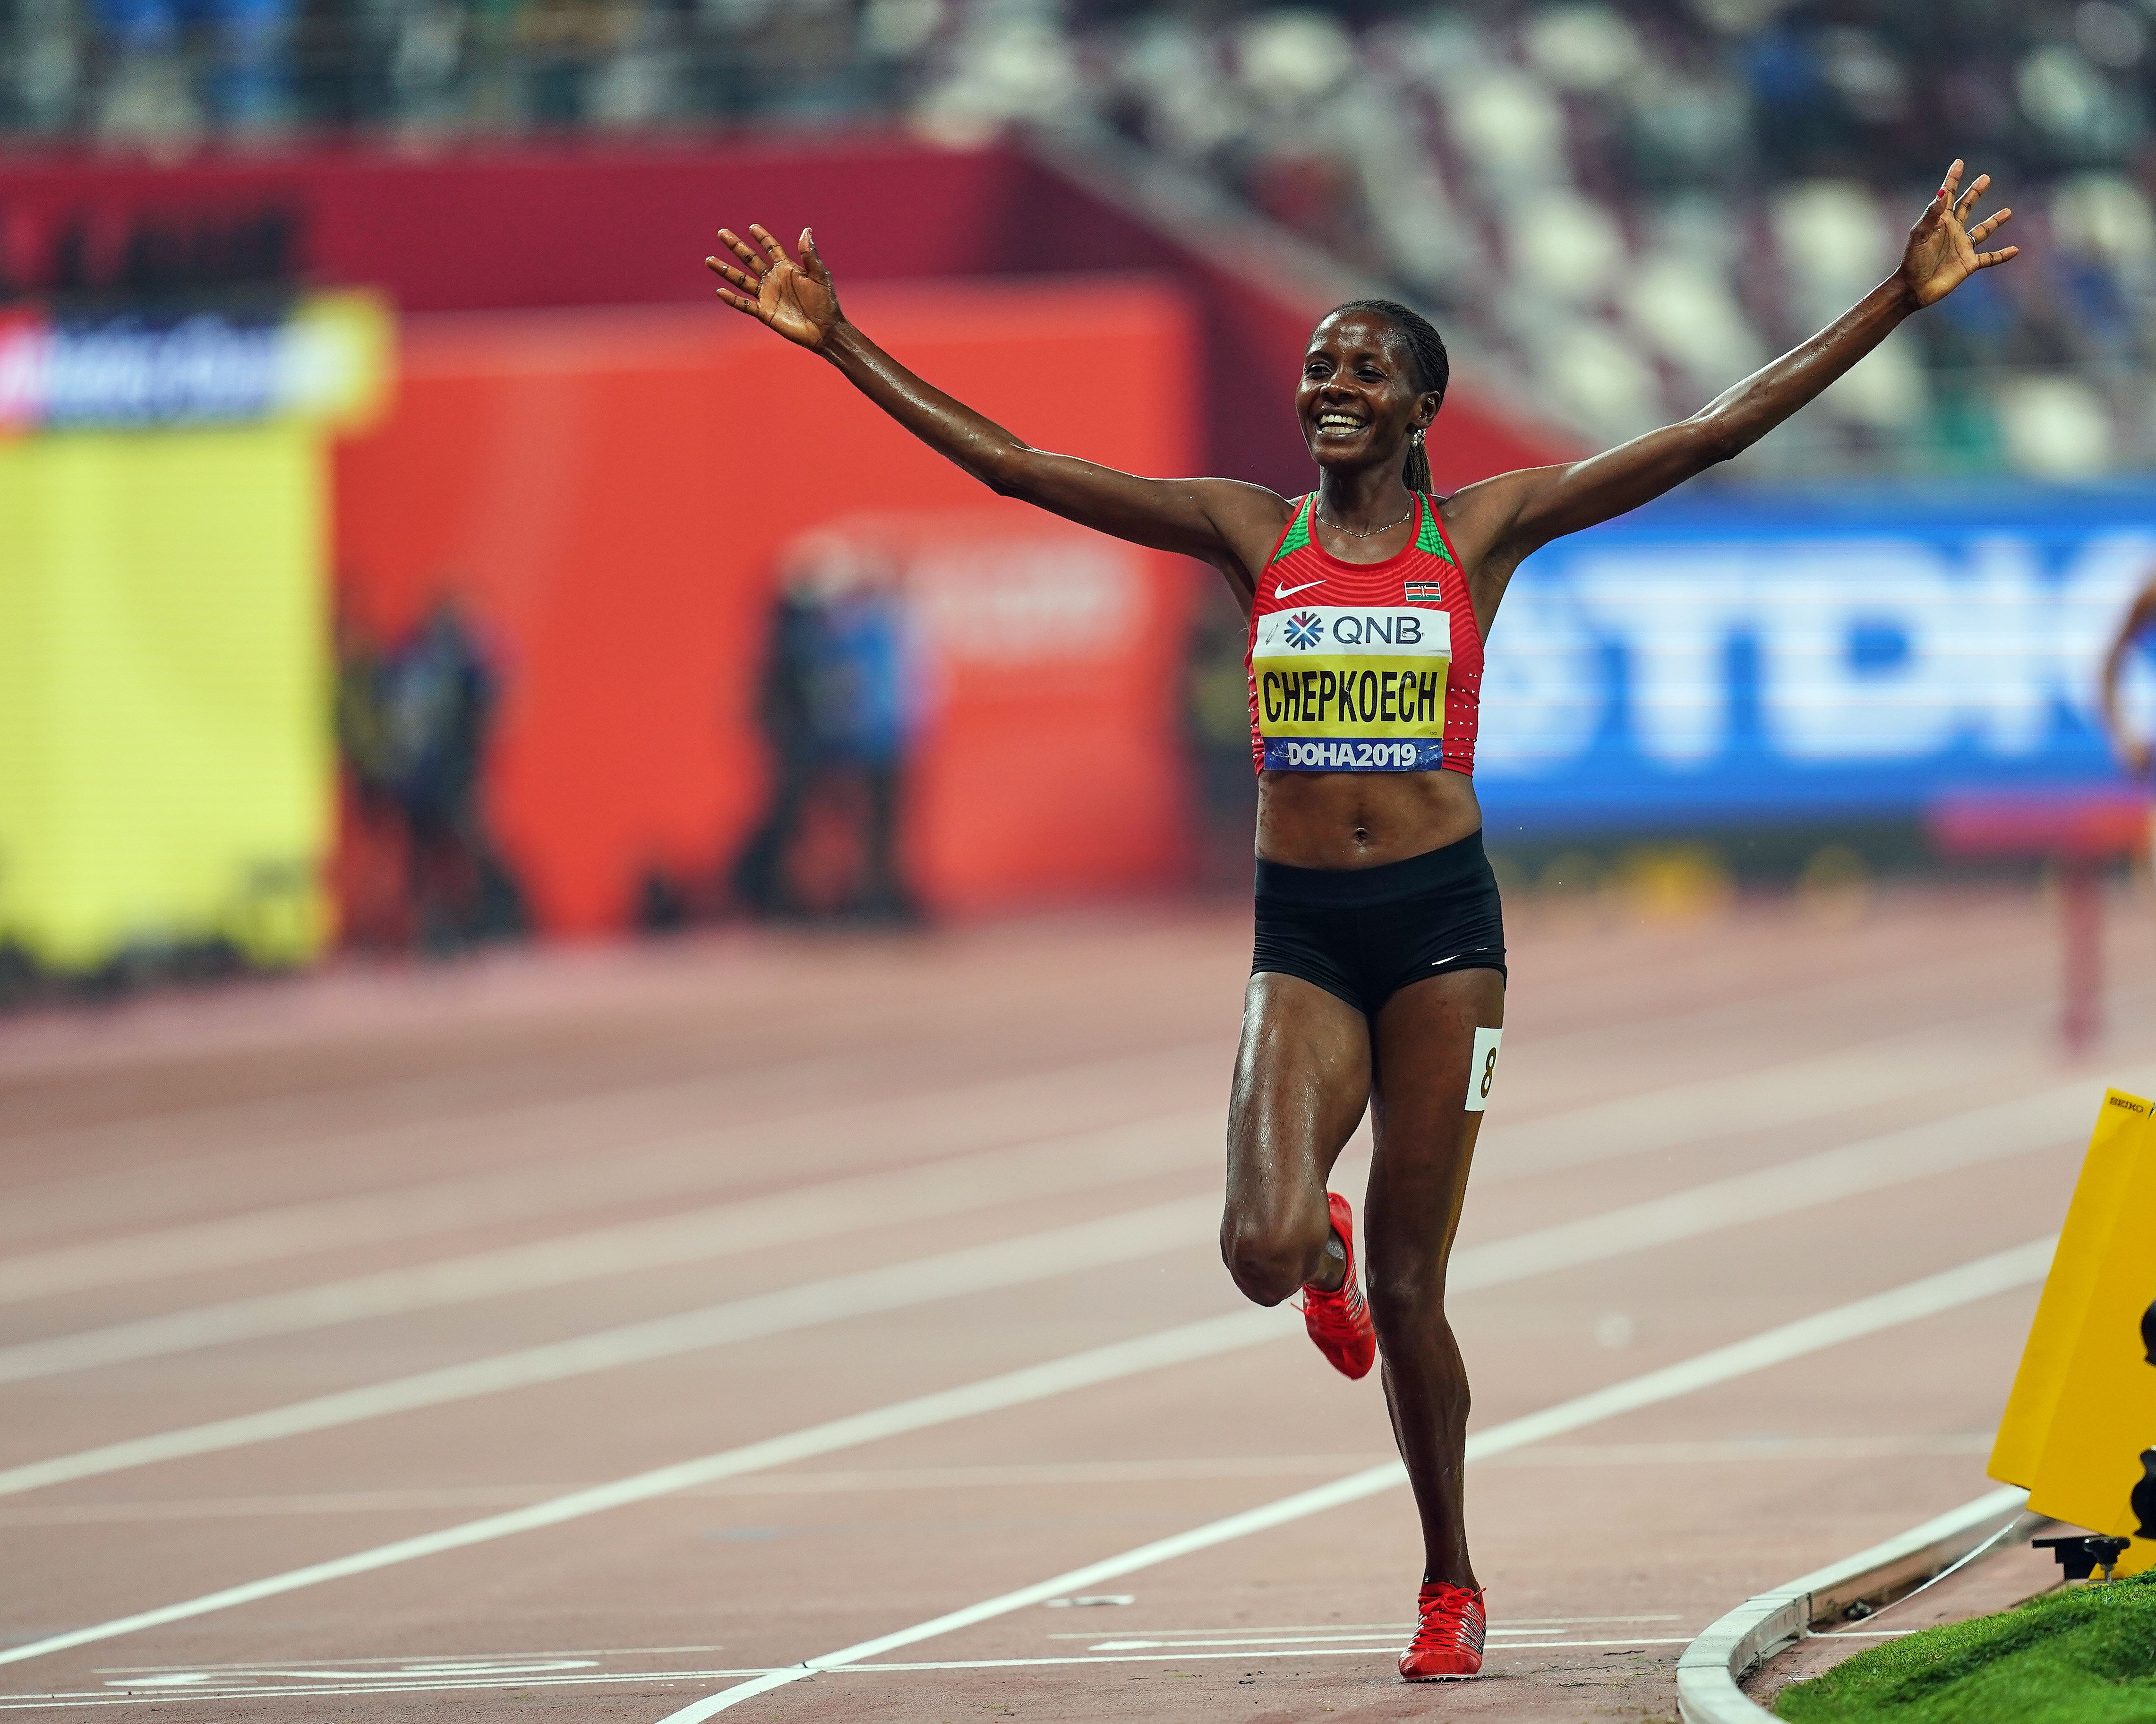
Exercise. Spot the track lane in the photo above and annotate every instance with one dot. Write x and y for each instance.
(2016, 1268)
(1705, 986)
(1706, 1326)
(638, 1566)
(1970, 1139)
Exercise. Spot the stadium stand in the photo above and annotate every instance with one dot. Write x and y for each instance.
(1625, 206)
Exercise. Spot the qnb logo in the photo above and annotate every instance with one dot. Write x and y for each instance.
(1304, 631)
(1393, 630)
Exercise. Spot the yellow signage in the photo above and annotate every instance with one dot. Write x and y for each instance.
(2083, 1406)
(166, 766)
(1350, 688)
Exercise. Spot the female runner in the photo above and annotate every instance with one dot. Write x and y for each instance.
(1380, 976)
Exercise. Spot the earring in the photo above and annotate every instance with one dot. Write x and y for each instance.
(1418, 439)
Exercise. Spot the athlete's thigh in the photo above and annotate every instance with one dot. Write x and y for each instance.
(1424, 1044)
(1302, 1078)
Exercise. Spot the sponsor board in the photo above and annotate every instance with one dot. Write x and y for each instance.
(324, 357)
(1775, 651)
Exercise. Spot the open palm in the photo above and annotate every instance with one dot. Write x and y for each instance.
(795, 298)
(1942, 252)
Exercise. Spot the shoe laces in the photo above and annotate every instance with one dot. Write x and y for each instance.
(1342, 1311)
(1450, 1619)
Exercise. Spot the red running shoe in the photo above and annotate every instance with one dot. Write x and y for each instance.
(1339, 1322)
(1448, 1641)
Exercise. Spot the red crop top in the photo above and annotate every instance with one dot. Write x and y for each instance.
(1372, 667)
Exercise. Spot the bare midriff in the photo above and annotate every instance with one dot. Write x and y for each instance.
(1362, 819)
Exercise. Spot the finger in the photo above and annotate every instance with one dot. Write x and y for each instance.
(739, 304)
(741, 248)
(1986, 259)
(1967, 199)
(1988, 225)
(813, 259)
(763, 235)
(1948, 187)
(739, 278)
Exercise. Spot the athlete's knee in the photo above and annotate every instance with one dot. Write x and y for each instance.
(1269, 1255)
(1406, 1299)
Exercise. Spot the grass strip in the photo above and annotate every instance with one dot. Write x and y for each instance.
(2078, 1655)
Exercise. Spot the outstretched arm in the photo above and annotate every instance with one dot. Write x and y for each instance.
(2134, 752)
(1216, 520)
(1502, 519)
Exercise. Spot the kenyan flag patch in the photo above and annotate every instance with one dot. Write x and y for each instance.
(1424, 593)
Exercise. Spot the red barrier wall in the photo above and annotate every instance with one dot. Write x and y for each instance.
(584, 223)
(609, 494)
(487, 227)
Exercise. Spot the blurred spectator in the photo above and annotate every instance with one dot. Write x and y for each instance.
(563, 42)
(412, 726)
(836, 705)
(1622, 204)
(178, 65)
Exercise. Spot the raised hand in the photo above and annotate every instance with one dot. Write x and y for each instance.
(795, 298)
(1942, 252)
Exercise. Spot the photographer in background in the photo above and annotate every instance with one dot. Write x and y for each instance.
(836, 706)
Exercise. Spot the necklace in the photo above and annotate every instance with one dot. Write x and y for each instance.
(1369, 532)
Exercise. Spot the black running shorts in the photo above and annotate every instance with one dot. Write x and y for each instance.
(1365, 933)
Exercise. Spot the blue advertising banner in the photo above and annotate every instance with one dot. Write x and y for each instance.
(318, 355)
(1745, 655)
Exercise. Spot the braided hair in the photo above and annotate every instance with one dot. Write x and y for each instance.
(1432, 363)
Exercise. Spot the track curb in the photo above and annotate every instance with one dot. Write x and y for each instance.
(1732, 1648)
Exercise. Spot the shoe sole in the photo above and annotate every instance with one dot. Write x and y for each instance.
(1351, 1376)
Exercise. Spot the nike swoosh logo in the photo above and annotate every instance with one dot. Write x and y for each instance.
(1280, 591)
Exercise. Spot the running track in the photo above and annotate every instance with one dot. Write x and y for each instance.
(601, 1335)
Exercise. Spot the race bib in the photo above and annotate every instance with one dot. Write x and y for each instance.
(1351, 689)
(1482, 1069)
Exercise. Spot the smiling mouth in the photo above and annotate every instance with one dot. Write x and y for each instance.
(1339, 425)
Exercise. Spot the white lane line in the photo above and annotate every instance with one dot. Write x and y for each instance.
(1234, 1641)
(74, 1700)
(1386, 1649)
(1022, 1476)
(608, 1173)
(1192, 1341)
(1984, 1134)
(1814, 1087)
(1817, 1087)
(402, 1660)
(1738, 1451)
(1743, 1451)
(1097, 1365)
(468, 1663)
(1008, 1263)
(1665, 1118)
(1053, 1167)
(1515, 1625)
(1964, 1139)
(2003, 1271)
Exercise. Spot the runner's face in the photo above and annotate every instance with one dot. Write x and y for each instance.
(1358, 398)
